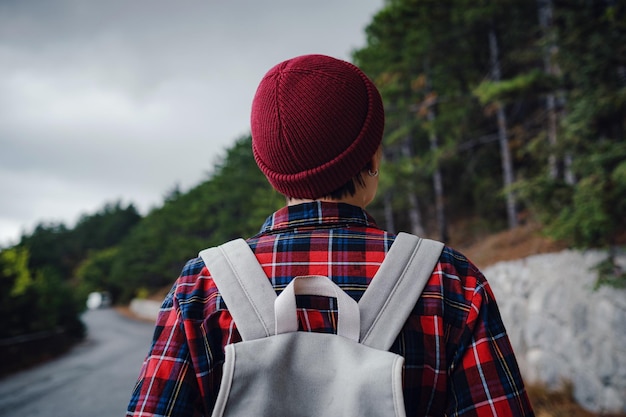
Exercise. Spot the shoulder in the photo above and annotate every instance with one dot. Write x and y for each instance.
(193, 267)
(458, 266)
(195, 283)
(193, 272)
(458, 281)
(195, 292)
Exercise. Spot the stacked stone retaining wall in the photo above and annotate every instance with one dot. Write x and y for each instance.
(562, 329)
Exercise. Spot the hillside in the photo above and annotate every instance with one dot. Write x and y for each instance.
(521, 242)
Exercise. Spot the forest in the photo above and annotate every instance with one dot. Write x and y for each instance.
(498, 113)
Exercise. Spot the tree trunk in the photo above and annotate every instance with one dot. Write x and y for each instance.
(442, 224)
(388, 210)
(505, 151)
(415, 217)
(545, 21)
(390, 224)
(556, 169)
(440, 212)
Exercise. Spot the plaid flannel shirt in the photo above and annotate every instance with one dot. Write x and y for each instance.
(458, 359)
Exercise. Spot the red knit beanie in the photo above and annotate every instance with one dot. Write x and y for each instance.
(316, 122)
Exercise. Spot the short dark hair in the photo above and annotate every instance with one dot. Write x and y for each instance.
(349, 188)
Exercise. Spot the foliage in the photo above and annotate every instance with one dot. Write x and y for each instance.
(15, 268)
(432, 63)
(533, 83)
(40, 290)
(610, 273)
(94, 274)
(234, 202)
(105, 228)
(590, 210)
(428, 60)
(33, 303)
(57, 246)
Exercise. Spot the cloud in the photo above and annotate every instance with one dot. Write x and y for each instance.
(101, 101)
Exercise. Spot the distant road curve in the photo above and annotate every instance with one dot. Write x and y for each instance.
(94, 379)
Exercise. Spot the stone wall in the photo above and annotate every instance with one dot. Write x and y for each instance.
(563, 330)
(145, 309)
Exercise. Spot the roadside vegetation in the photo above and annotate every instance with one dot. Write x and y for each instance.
(504, 118)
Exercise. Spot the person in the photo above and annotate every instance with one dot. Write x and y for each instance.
(317, 126)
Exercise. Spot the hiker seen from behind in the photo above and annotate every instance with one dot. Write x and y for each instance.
(323, 312)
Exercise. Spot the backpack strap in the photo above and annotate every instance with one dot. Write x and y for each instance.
(242, 283)
(395, 289)
(384, 307)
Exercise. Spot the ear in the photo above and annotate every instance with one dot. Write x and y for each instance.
(374, 164)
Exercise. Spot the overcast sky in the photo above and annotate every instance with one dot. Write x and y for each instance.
(113, 100)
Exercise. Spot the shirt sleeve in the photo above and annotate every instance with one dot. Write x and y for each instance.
(484, 378)
(167, 385)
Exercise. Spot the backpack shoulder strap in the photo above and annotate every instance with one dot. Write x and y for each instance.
(396, 287)
(244, 286)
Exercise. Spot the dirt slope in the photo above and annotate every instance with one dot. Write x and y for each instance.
(517, 243)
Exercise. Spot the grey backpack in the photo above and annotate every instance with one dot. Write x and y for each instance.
(278, 371)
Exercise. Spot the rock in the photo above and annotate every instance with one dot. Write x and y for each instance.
(146, 309)
(562, 328)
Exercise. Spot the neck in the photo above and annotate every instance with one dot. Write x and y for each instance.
(355, 200)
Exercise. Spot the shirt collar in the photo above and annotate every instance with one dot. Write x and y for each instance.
(316, 214)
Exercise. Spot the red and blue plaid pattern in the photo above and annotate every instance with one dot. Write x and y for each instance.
(458, 359)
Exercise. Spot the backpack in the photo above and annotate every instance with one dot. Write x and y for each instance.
(278, 371)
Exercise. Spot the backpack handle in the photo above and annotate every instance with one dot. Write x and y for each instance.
(348, 316)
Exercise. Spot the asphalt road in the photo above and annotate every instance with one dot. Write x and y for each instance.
(94, 379)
